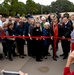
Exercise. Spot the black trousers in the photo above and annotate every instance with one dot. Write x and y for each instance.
(38, 50)
(10, 48)
(20, 49)
(65, 47)
(4, 44)
(20, 46)
(45, 50)
(28, 47)
(13, 48)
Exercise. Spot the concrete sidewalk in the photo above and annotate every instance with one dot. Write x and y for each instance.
(30, 66)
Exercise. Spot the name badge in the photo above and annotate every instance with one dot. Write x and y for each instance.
(37, 30)
(65, 26)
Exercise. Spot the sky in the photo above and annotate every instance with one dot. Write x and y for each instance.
(44, 2)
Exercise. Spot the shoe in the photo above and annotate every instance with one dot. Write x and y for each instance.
(49, 54)
(55, 59)
(21, 56)
(65, 57)
(57, 56)
(6, 57)
(11, 59)
(45, 57)
(25, 55)
(39, 60)
(62, 55)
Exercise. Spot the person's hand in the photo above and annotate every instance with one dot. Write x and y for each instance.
(43, 38)
(37, 39)
(30, 37)
(23, 37)
(2, 71)
(63, 37)
(21, 73)
(51, 37)
(59, 41)
(70, 59)
(69, 39)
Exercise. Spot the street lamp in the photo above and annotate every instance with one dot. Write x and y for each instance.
(41, 9)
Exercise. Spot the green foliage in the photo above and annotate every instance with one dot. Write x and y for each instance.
(4, 11)
(62, 6)
(31, 6)
(14, 7)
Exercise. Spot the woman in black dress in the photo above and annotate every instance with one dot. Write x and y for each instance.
(10, 41)
(37, 42)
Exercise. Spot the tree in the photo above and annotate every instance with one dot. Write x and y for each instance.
(31, 6)
(14, 7)
(62, 6)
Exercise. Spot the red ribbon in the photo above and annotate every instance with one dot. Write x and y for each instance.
(60, 38)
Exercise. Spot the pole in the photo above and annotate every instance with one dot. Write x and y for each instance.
(41, 9)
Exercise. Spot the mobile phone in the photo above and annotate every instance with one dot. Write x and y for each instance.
(10, 73)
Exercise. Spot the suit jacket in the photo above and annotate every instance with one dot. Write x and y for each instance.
(66, 30)
(27, 24)
(15, 25)
(30, 30)
(70, 22)
(19, 31)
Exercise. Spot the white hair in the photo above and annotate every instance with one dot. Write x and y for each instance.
(47, 23)
(43, 18)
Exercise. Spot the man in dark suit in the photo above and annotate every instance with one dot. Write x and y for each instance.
(16, 23)
(66, 31)
(26, 27)
(19, 31)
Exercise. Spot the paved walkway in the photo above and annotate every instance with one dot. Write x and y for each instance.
(30, 66)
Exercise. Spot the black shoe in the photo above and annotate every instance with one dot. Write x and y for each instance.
(6, 57)
(55, 59)
(21, 56)
(57, 56)
(39, 60)
(65, 57)
(62, 55)
(49, 54)
(25, 55)
(11, 59)
(45, 57)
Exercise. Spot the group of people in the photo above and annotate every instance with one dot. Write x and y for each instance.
(46, 30)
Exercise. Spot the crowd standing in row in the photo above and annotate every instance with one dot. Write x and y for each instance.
(42, 26)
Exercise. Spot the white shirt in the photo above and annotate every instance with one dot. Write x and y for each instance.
(1, 23)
